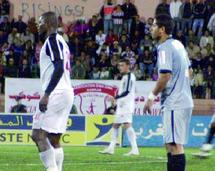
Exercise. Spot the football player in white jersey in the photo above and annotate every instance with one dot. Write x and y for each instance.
(125, 109)
(50, 119)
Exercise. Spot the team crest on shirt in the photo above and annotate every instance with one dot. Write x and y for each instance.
(93, 98)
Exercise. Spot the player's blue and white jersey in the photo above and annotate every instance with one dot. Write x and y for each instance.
(126, 94)
(173, 58)
(55, 48)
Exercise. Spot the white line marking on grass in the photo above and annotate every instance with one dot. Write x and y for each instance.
(86, 163)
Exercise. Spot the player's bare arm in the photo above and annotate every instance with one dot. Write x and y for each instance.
(160, 86)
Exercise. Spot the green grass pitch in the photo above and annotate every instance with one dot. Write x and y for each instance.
(25, 158)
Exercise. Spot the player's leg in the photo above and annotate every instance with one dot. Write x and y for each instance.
(59, 154)
(207, 147)
(177, 161)
(132, 139)
(176, 126)
(115, 133)
(46, 151)
(169, 156)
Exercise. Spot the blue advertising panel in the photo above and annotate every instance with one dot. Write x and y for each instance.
(24, 122)
(149, 131)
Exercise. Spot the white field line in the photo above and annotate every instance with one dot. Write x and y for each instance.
(86, 163)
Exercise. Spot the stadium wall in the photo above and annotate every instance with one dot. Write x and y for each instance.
(72, 9)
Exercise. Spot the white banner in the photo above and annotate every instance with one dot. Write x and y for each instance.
(91, 96)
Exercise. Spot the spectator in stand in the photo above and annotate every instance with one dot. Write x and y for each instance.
(105, 48)
(130, 11)
(95, 75)
(148, 62)
(137, 72)
(175, 6)
(12, 36)
(5, 9)
(103, 62)
(20, 25)
(192, 50)
(180, 36)
(205, 39)
(211, 24)
(186, 14)
(207, 51)
(10, 70)
(110, 38)
(3, 38)
(105, 74)
(192, 37)
(148, 25)
(128, 53)
(209, 77)
(199, 12)
(137, 25)
(27, 35)
(100, 38)
(5, 26)
(93, 26)
(162, 8)
(78, 70)
(24, 69)
(106, 14)
(32, 25)
(197, 61)
(75, 46)
(62, 24)
(116, 49)
(198, 83)
(118, 16)
(124, 42)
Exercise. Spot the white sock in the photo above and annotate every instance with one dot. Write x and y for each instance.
(115, 133)
(48, 158)
(132, 138)
(59, 157)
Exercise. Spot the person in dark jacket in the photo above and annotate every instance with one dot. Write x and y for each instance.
(5, 26)
(4, 9)
(162, 8)
(199, 11)
(186, 12)
(20, 25)
(130, 11)
(24, 70)
(138, 25)
(19, 107)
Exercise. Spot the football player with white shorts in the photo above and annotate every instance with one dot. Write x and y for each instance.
(174, 85)
(50, 119)
(125, 109)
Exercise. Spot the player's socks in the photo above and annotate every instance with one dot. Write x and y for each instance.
(114, 137)
(169, 162)
(59, 157)
(132, 138)
(210, 135)
(178, 162)
(48, 159)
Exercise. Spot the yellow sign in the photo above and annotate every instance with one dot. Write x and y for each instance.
(24, 137)
(99, 130)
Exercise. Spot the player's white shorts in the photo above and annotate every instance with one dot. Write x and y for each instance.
(123, 118)
(54, 120)
(176, 125)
